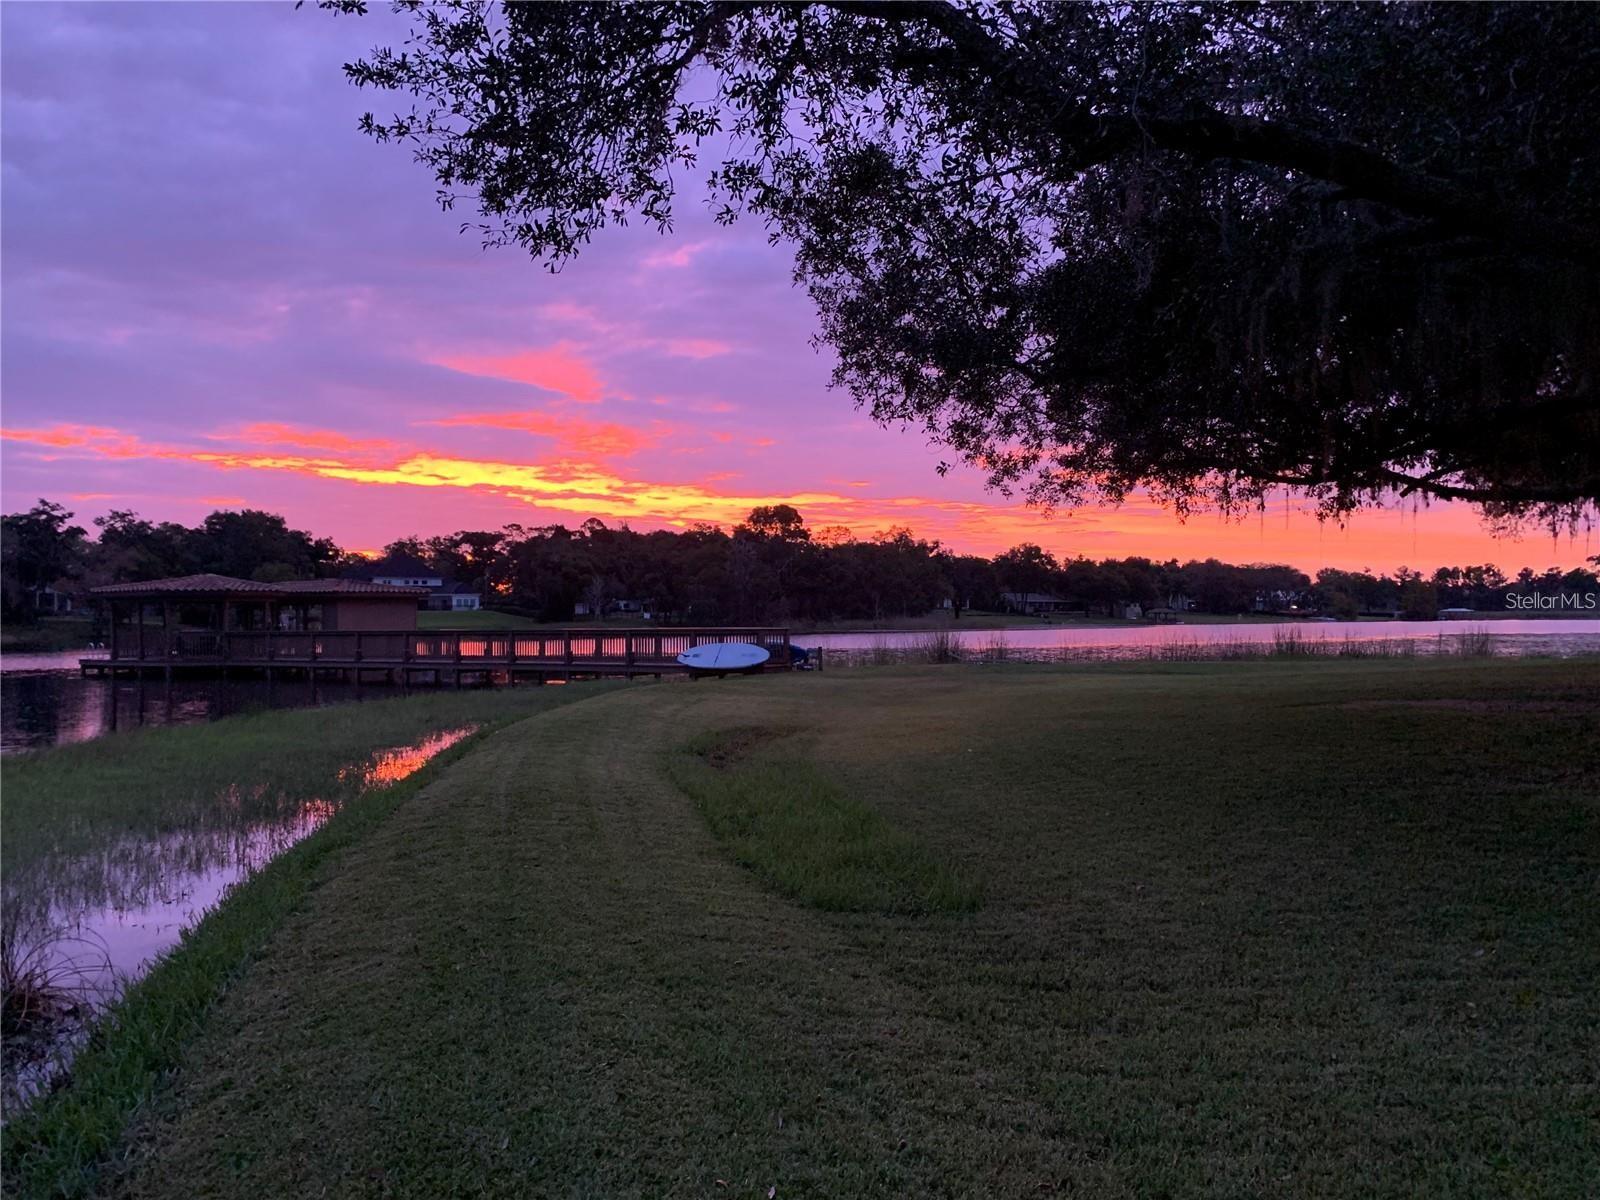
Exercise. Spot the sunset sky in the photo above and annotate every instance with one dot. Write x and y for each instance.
(218, 293)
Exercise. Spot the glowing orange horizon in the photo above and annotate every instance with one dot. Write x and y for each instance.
(577, 480)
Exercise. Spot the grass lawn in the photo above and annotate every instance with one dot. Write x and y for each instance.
(49, 633)
(1287, 928)
(481, 618)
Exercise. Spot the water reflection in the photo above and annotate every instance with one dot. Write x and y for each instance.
(390, 766)
(47, 703)
(102, 918)
(1068, 642)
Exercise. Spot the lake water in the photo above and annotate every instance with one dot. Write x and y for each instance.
(1067, 642)
(45, 702)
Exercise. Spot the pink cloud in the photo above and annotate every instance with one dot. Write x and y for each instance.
(96, 439)
(697, 348)
(679, 256)
(558, 368)
(274, 433)
(569, 313)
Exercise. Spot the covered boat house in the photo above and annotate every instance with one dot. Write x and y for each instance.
(218, 620)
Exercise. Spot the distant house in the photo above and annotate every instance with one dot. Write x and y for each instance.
(407, 570)
(643, 609)
(1283, 600)
(1034, 604)
(59, 599)
(1457, 614)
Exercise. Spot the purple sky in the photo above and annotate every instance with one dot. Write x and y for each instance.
(217, 293)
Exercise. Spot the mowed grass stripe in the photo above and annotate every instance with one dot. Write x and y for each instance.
(593, 1001)
(1243, 933)
(779, 812)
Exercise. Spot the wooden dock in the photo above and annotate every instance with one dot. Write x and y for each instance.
(409, 657)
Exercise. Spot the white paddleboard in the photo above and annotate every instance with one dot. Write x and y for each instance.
(724, 656)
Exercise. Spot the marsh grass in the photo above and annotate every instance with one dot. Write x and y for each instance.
(227, 775)
(1288, 642)
(43, 974)
(994, 649)
(778, 813)
(1291, 643)
(1476, 642)
(939, 646)
(52, 981)
(884, 653)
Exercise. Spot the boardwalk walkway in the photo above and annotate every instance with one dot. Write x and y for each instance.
(427, 656)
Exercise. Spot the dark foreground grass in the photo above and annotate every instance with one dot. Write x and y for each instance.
(1310, 929)
(59, 1146)
(779, 813)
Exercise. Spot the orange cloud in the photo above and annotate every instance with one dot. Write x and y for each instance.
(600, 438)
(97, 439)
(558, 368)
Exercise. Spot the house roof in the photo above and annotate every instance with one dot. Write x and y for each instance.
(250, 589)
(408, 566)
(349, 587)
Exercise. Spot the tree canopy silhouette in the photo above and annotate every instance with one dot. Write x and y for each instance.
(1207, 250)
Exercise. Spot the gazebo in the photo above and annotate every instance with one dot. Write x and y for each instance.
(195, 616)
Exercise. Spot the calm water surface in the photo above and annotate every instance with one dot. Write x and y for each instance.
(44, 701)
(1536, 637)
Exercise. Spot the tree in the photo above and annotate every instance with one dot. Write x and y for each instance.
(781, 521)
(130, 547)
(1027, 568)
(972, 581)
(37, 548)
(1208, 250)
(1419, 600)
(239, 543)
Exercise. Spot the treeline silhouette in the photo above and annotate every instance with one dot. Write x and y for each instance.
(772, 567)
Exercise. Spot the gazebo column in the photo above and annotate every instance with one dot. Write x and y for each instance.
(138, 610)
(222, 639)
(166, 636)
(113, 631)
(272, 629)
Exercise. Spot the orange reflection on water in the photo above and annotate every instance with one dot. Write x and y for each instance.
(391, 766)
